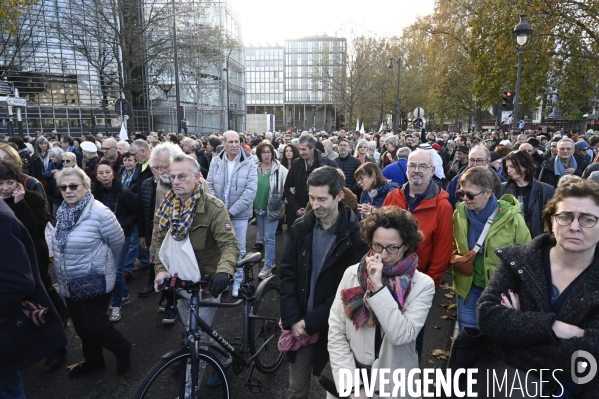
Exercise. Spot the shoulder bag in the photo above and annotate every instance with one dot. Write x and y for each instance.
(465, 263)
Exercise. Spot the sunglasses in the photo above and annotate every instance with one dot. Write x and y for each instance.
(67, 161)
(71, 187)
(470, 196)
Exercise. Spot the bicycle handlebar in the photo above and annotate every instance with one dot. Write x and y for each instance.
(174, 283)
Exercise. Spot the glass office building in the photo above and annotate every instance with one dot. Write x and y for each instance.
(68, 76)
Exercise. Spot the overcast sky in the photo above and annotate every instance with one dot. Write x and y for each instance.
(273, 21)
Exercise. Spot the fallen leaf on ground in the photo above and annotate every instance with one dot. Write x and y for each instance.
(452, 306)
(438, 326)
(445, 286)
(450, 295)
(440, 354)
(431, 361)
(448, 316)
(72, 366)
(444, 305)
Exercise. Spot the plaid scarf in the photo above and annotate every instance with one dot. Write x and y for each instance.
(175, 216)
(67, 217)
(396, 278)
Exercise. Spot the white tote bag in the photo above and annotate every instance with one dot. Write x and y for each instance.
(178, 257)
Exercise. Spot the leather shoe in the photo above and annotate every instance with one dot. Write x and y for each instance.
(147, 291)
(124, 363)
(54, 361)
(86, 367)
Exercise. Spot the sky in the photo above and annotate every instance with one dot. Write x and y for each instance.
(265, 22)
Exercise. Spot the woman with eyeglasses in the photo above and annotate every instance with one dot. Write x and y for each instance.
(480, 207)
(540, 307)
(382, 302)
(271, 183)
(530, 193)
(374, 186)
(566, 162)
(87, 241)
(121, 201)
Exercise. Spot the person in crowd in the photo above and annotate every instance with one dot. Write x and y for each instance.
(69, 160)
(232, 179)
(296, 189)
(289, 154)
(90, 157)
(68, 145)
(428, 203)
(185, 208)
(87, 241)
(129, 173)
(210, 152)
(373, 153)
(28, 339)
(271, 181)
(348, 164)
(397, 171)
(384, 292)
(479, 208)
(142, 153)
(530, 193)
(122, 147)
(121, 201)
(30, 208)
(390, 155)
(40, 158)
(581, 148)
(361, 152)
(50, 174)
(26, 163)
(328, 150)
(566, 162)
(202, 159)
(311, 271)
(374, 187)
(536, 309)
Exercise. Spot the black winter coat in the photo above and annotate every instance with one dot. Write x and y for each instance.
(298, 178)
(204, 162)
(525, 339)
(121, 201)
(548, 170)
(540, 194)
(147, 204)
(296, 269)
(349, 165)
(22, 343)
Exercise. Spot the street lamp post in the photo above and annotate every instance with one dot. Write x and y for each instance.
(521, 38)
(176, 62)
(396, 120)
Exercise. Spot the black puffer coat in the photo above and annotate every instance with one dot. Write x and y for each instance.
(121, 201)
(147, 204)
(525, 339)
(348, 166)
(296, 269)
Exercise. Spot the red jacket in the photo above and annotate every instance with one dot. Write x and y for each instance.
(434, 214)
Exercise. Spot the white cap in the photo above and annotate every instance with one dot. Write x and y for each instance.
(89, 146)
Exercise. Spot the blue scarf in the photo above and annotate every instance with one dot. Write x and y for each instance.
(560, 168)
(478, 221)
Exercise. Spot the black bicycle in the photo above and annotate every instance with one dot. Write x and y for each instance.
(178, 374)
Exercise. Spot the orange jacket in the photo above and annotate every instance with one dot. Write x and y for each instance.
(434, 214)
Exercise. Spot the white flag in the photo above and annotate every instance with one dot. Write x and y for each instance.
(358, 124)
(362, 129)
(123, 133)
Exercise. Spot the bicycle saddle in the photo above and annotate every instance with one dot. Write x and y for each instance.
(250, 259)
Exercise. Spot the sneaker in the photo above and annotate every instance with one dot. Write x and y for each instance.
(170, 315)
(115, 315)
(126, 301)
(161, 308)
(86, 367)
(266, 272)
(235, 290)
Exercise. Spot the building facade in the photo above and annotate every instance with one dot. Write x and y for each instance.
(309, 64)
(68, 64)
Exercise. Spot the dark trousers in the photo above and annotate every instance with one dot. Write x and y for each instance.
(95, 329)
(420, 343)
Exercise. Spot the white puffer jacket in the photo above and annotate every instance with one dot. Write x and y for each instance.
(92, 246)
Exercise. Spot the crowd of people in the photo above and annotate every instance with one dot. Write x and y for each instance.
(371, 223)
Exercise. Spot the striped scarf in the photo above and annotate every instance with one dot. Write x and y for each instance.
(175, 216)
(396, 278)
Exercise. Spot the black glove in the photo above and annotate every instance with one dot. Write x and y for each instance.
(218, 283)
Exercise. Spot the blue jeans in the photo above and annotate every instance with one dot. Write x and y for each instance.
(120, 286)
(135, 252)
(11, 387)
(267, 231)
(241, 228)
(467, 309)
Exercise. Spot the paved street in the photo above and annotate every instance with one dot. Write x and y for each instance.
(141, 324)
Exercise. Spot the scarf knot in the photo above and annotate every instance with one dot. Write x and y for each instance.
(397, 278)
(176, 216)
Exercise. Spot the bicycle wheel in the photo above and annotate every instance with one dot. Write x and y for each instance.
(167, 379)
(266, 305)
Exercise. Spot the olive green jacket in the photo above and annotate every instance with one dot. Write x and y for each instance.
(212, 238)
(508, 228)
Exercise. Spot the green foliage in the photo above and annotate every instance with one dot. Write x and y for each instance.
(11, 11)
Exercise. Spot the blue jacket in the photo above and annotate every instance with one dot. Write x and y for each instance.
(394, 172)
(380, 196)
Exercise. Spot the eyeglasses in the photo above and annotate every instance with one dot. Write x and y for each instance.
(106, 149)
(470, 196)
(361, 179)
(587, 221)
(565, 149)
(181, 177)
(134, 153)
(478, 161)
(160, 168)
(391, 249)
(423, 167)
(71, 187)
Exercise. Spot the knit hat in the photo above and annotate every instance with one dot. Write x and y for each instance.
(436, 146)
(425, 146)
(581, 145)
(533, 142)
(451, 142)
(495, 156)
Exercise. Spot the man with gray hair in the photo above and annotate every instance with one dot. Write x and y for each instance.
(328, 149)
(233, 179)
(566, 162)
(296, 189)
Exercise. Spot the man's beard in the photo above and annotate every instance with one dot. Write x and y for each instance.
(165, 179)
